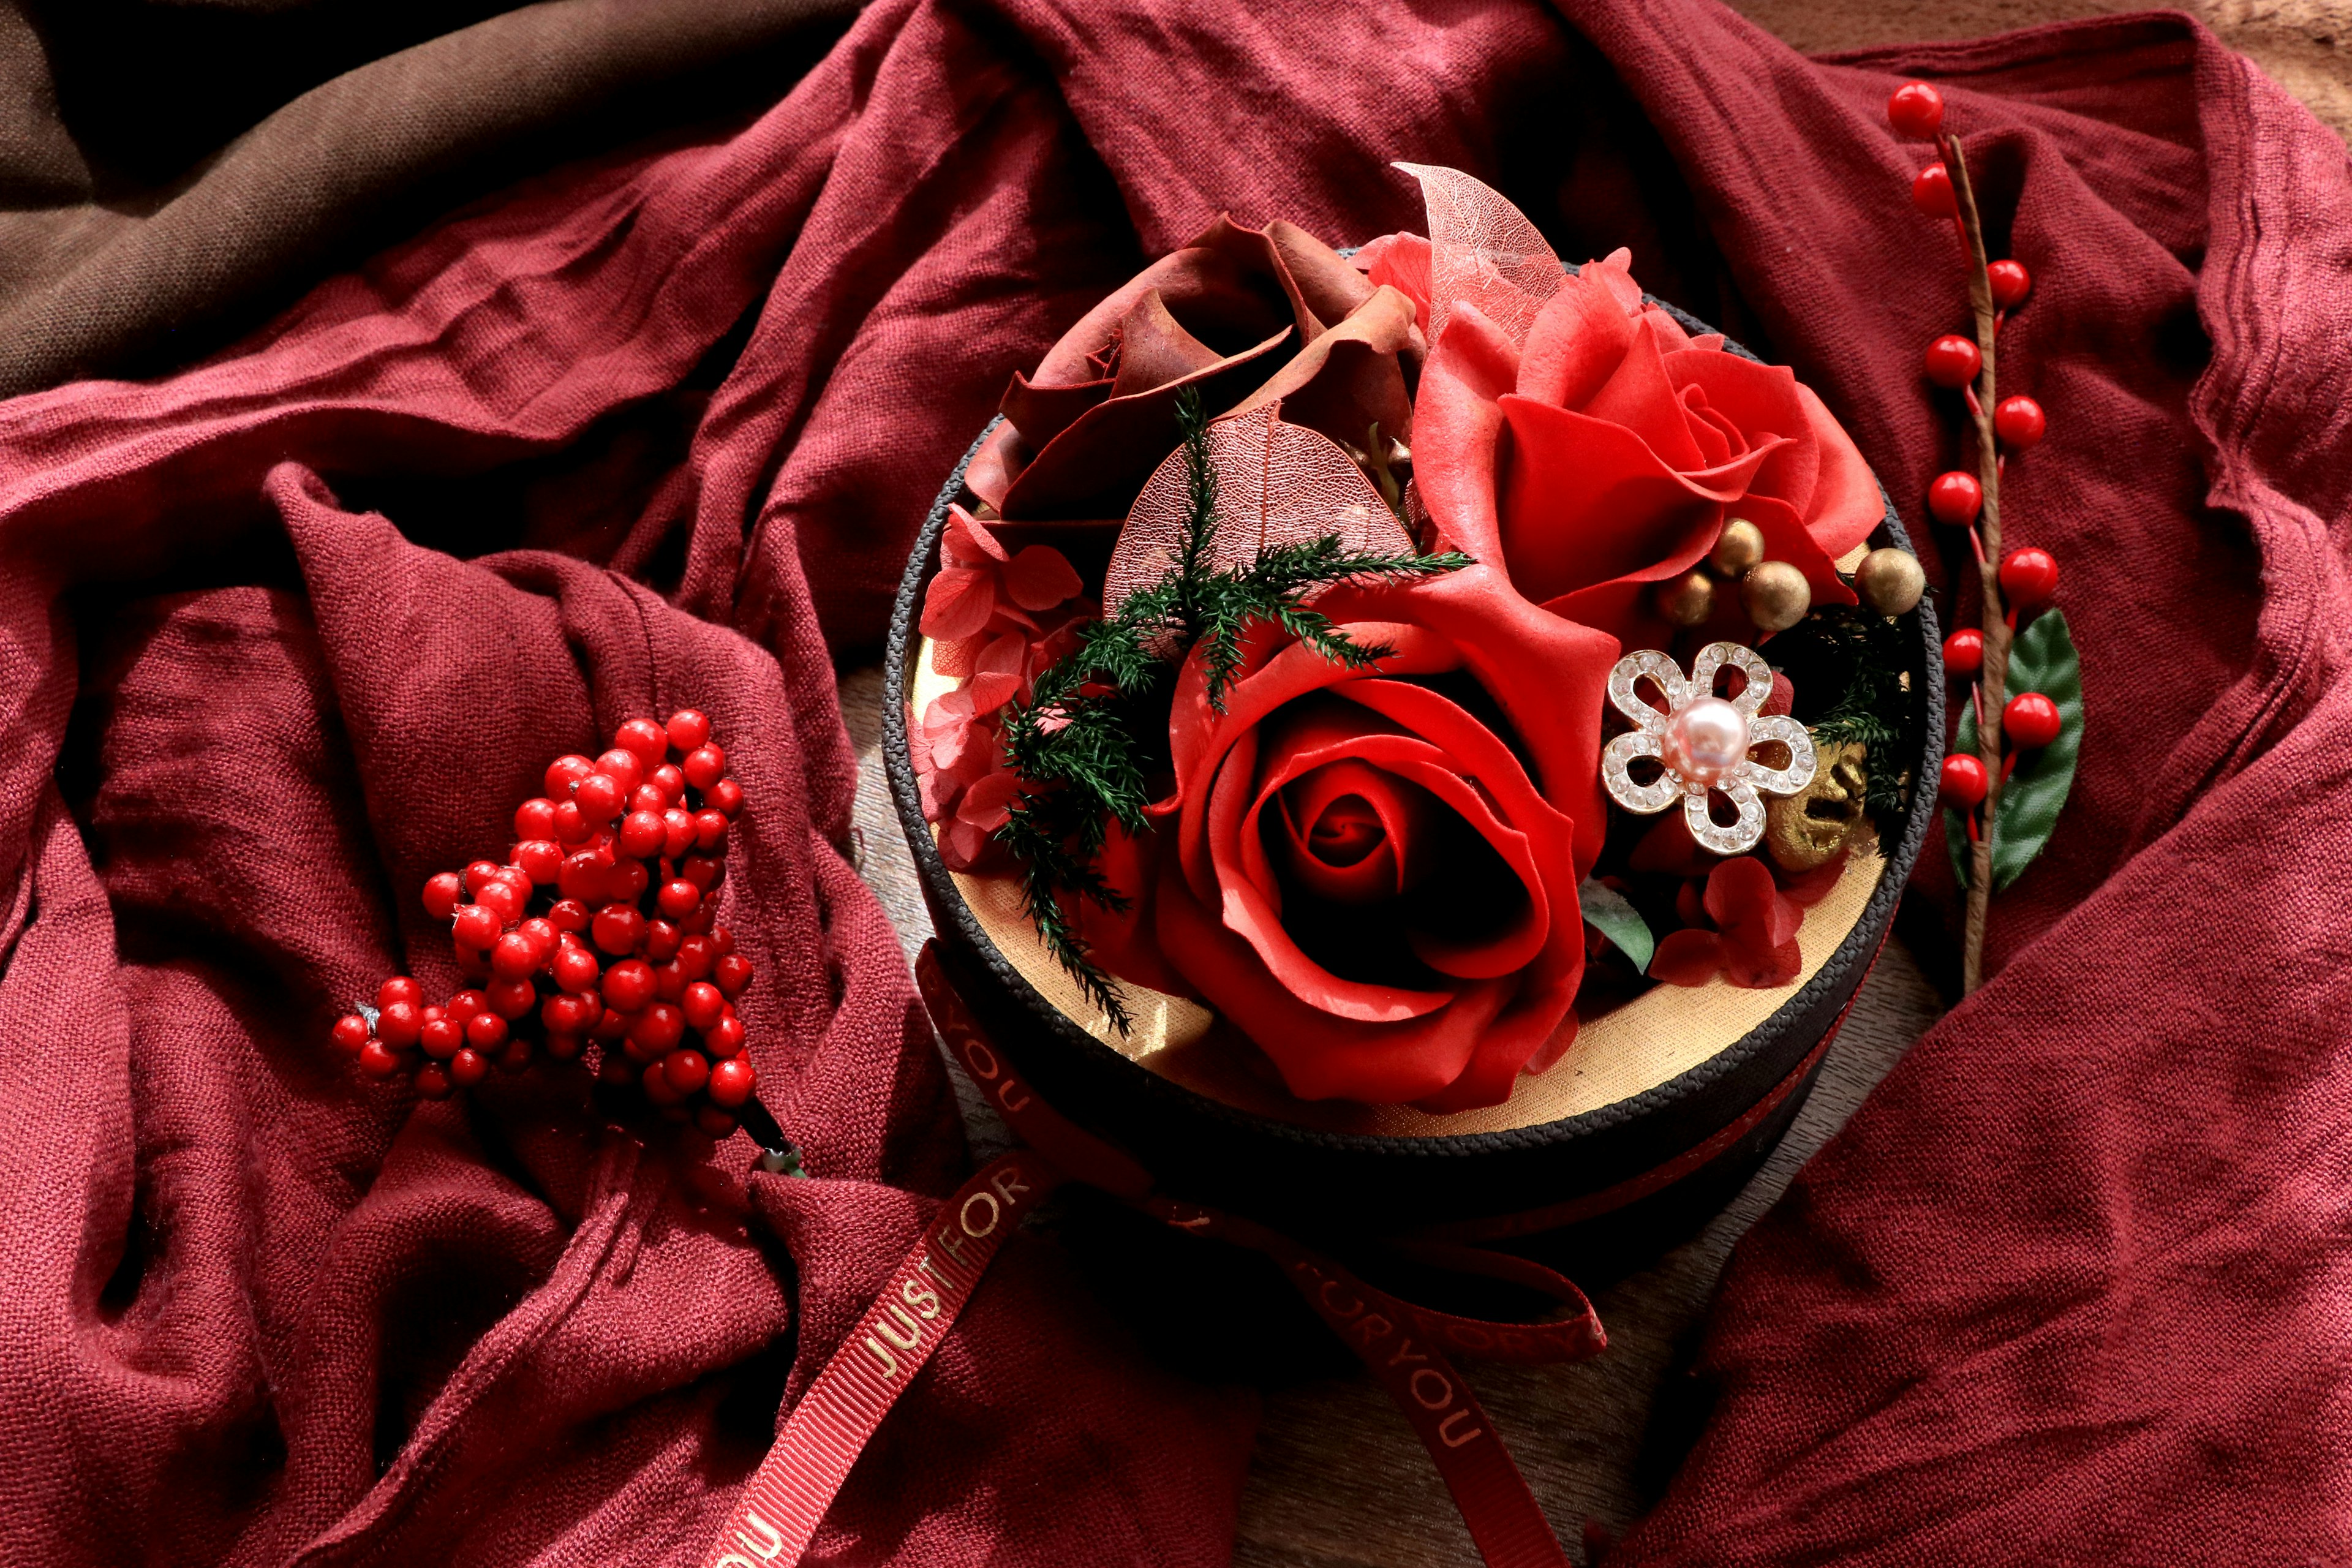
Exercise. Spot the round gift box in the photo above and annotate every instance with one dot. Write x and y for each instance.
(1654, 1114)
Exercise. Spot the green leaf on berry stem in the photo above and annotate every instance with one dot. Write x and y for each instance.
(2042, 659)
(1608, 912)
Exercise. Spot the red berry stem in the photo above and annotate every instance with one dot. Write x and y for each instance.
(1993, 675)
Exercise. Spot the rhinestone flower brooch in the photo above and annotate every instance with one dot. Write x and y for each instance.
(1702, 743)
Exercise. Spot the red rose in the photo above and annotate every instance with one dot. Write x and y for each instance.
(1584, 440)
(1373, 874)
(1245, 316)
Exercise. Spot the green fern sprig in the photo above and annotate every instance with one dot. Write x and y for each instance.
(1092, 739)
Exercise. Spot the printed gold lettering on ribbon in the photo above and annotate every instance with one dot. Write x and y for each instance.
(924, 1301)
(1446, 1436)
(767, 1549)
(1444, 1389)
(914, 1335)
(889, 1362)
(995, 1212)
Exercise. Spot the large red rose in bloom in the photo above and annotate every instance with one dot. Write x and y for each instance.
(1373, 873)
(1579, 436)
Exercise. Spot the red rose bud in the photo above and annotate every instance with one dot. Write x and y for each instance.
(2029, 577)
(1953, 361)
(1931, 193)
(1955, 498)
(1916, 110)
(1964, 781)
(2019, 423)
(2010, 283)
(2032, 720)
(1964, 651)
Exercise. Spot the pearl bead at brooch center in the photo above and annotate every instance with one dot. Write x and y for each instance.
(1705, 741)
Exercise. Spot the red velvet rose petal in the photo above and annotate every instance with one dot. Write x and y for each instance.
(1320, 1056)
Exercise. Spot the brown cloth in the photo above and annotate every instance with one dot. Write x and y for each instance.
(170, 173)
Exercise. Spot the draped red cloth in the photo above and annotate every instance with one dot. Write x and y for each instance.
(285, 632)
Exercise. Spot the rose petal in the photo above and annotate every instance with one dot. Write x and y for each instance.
(1349, 379)
(1154, 348)
(1458, 422)
(1847, 504)
(1321, 1055)
(1401, 262)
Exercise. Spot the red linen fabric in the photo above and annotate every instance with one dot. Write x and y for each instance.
(284, 633)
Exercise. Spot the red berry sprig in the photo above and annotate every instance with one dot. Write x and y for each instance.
(2027, 579)
(597, 940)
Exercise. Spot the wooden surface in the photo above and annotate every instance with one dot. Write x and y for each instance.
(1338, 1480)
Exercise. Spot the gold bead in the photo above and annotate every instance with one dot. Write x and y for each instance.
(1890, 581)
(1739, 546)
(1687, 600)
(1807, 829)
(1777, 595)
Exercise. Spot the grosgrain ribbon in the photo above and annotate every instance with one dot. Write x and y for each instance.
(786, 1499)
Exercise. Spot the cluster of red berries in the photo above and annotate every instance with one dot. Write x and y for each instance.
(1953, 361)
(599, 929)
(2029, 577)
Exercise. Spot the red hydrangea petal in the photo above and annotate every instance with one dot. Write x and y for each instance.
(1688, 958)
(1040, 577)
(958, 603)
